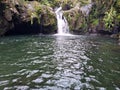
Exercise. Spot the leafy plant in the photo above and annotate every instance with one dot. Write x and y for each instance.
(35, 13)
(95, 22)
(45, 2)
(109, 18)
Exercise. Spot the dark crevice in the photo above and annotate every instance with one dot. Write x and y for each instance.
(28, 28)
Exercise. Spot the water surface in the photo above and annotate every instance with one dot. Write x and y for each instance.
(59, 63)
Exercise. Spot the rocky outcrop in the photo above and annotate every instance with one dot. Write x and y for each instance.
(74, 17)
(4, 25)
(32, 14)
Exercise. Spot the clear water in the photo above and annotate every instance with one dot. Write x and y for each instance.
(59, 63)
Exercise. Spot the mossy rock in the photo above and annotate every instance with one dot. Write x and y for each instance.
(117, 36)
(74, 18)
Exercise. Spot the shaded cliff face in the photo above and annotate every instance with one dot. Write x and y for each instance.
(21, 17)
(4, 18)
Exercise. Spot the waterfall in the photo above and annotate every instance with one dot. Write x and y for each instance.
(62, 24)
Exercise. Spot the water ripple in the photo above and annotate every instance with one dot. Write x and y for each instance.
(59, 63)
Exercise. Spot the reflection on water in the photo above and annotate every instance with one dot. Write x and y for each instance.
(59, 63)
(70, 58)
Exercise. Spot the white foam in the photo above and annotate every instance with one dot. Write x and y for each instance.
(62, 24)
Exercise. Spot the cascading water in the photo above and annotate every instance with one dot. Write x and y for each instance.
(62, 24)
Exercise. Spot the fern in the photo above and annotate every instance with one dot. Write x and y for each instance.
(110, 18)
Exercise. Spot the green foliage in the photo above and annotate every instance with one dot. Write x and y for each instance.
(33, 15)
(95, 22)
(36, 13)
(109, 18)
(117, 6)
(118, 17)
(45, 2)
(56, 3)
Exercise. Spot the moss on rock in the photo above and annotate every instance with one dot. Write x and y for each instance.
(75, 18)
